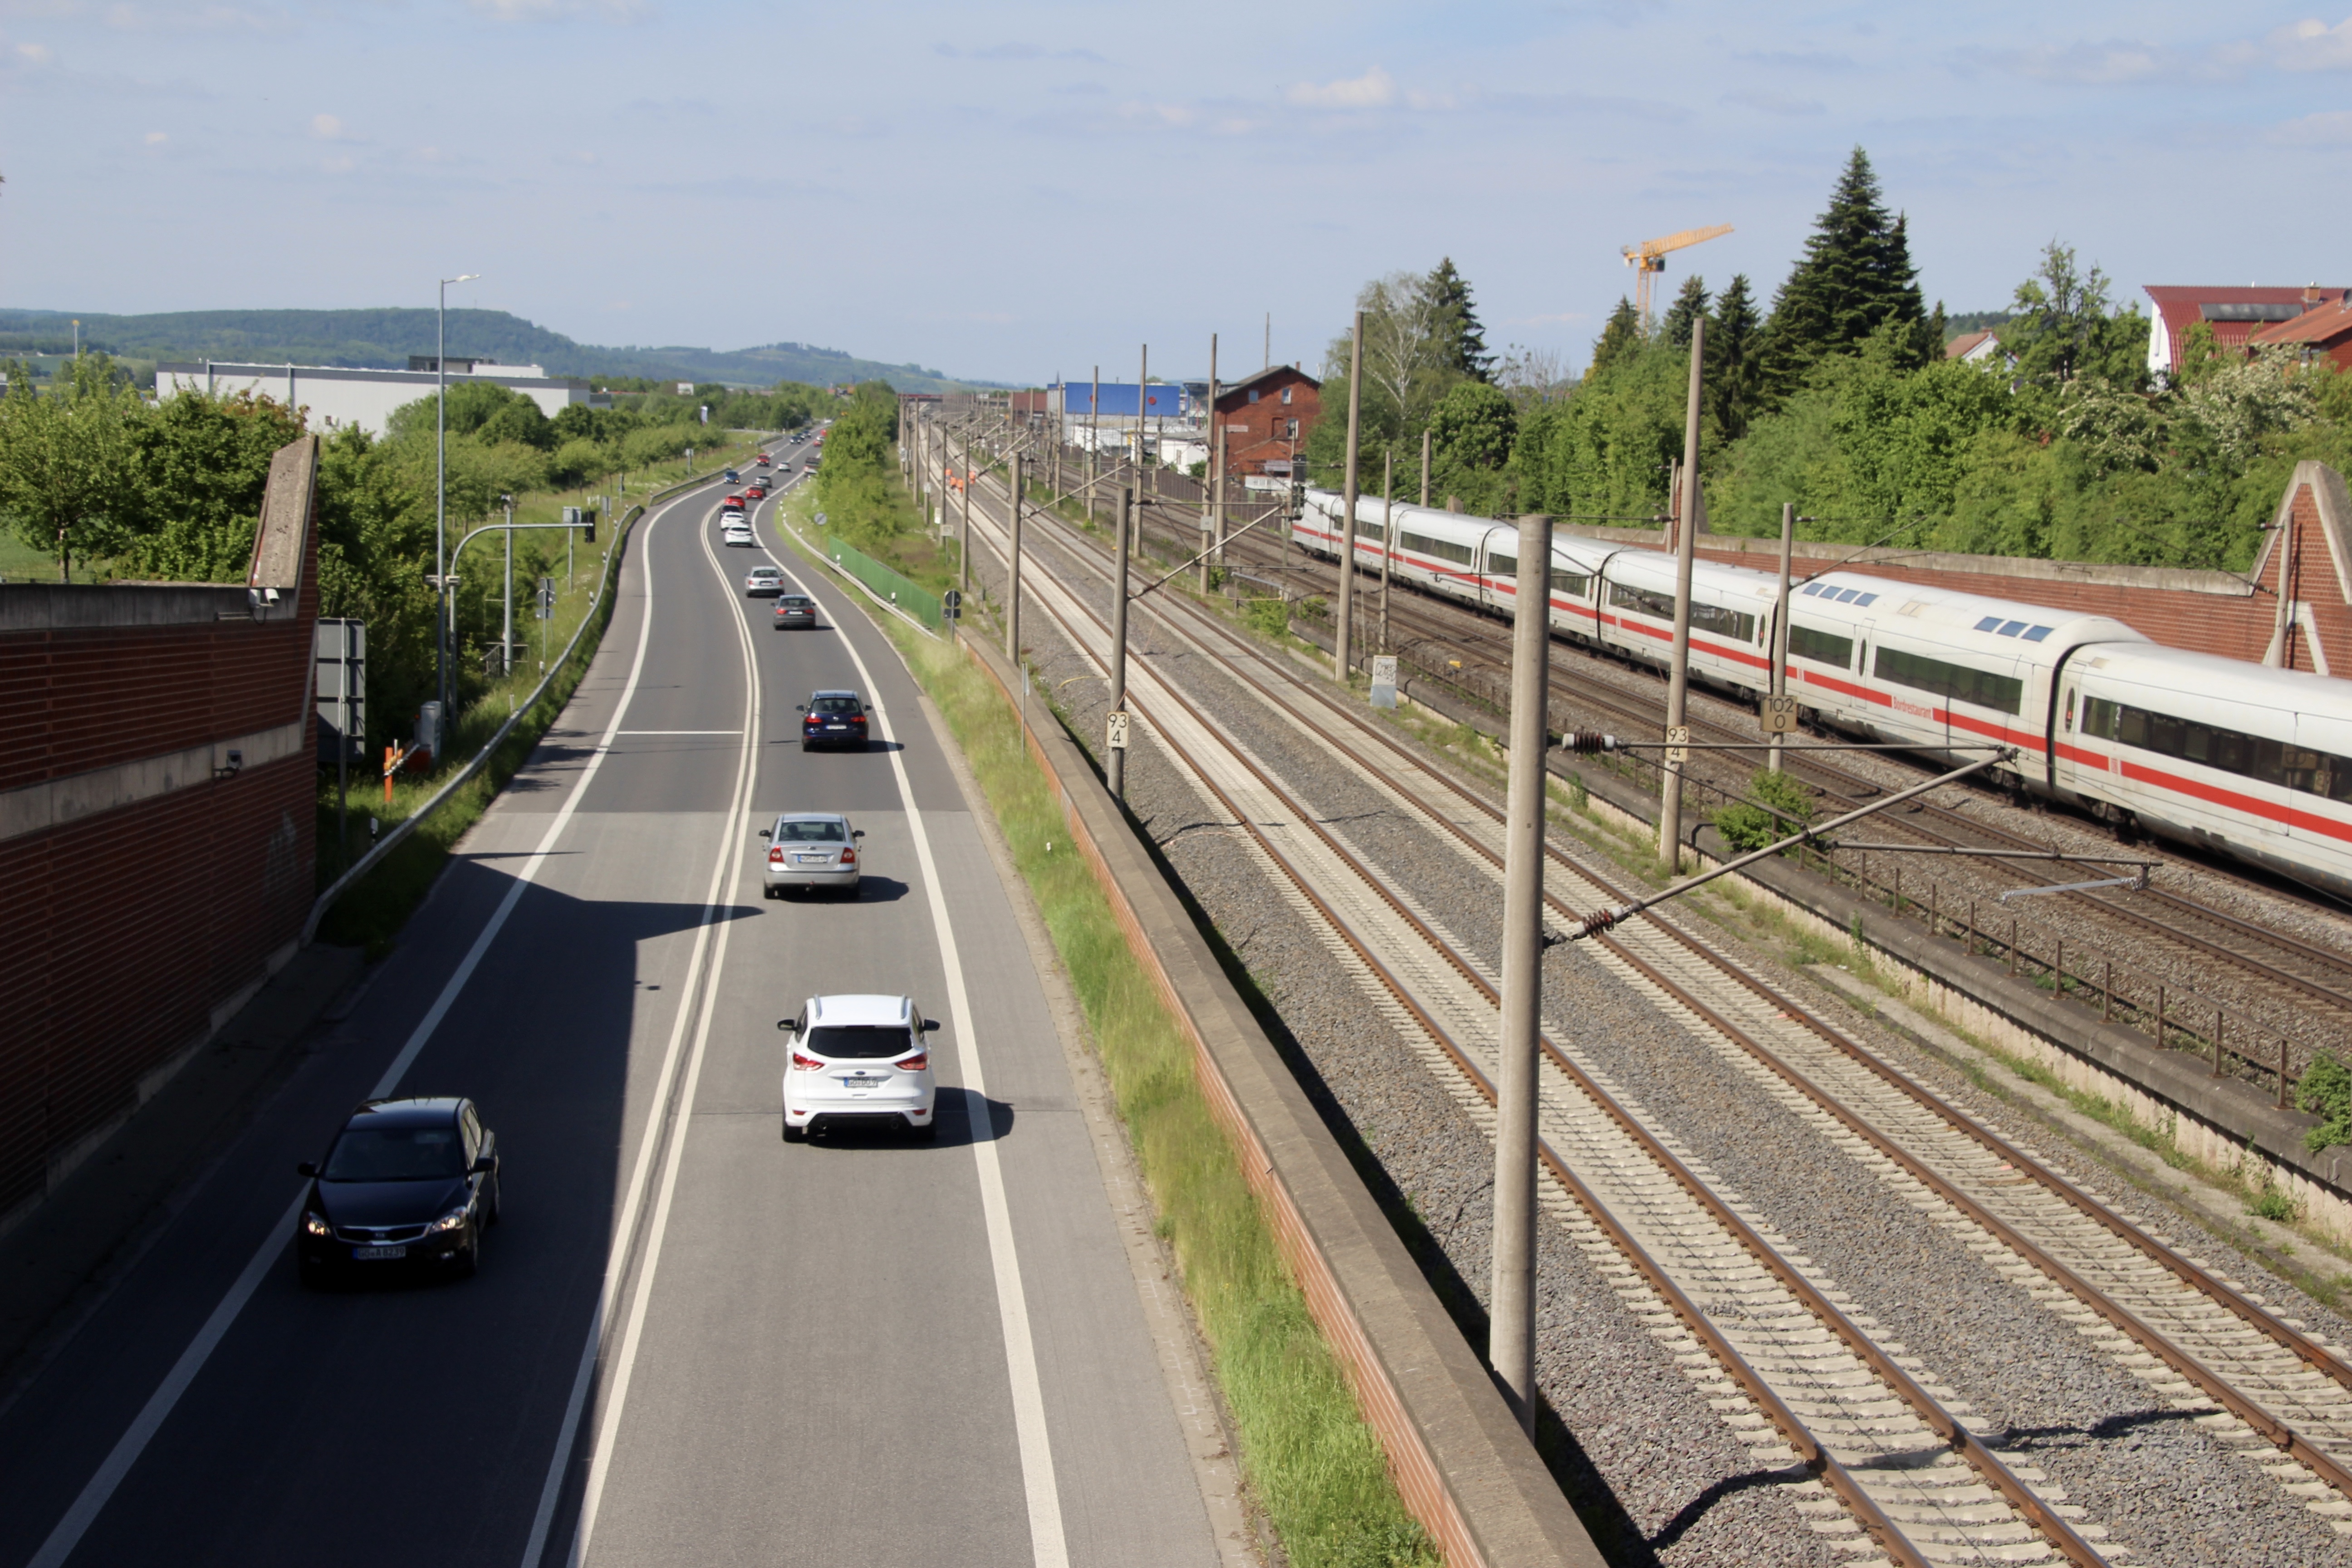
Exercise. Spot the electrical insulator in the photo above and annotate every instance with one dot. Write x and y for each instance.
(1586, 742)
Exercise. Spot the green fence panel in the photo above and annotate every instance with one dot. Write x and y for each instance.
(919, 603)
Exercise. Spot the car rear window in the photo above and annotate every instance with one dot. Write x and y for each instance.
(809, 831)
(792, 602)
(843, 1042)
(834, 705)
(397, 1155)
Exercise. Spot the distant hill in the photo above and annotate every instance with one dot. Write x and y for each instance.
(1973, 321)
(384, 338)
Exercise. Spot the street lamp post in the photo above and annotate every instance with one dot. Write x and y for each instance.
(441, 489)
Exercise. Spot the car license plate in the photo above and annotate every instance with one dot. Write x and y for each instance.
(365, 1254)
(814, 859)
(864, 1082)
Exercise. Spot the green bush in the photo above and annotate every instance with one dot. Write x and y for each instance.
(576, 462)
(1267, 618)
(2326, 1091)
(1746, 826)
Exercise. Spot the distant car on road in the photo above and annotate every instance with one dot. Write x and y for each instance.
(858, 1060)
(732, 503)
(811, 849)
(406, 1184)
(762, 460)
(795, 610)
(765, 582)
(756, 491)
(733, 531)
(732, 477)
(811, 464)
(833, 718)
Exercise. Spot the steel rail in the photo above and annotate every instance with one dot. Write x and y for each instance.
(2061, 1534)
(2186, 1362)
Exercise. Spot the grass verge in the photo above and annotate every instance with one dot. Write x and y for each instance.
(1312, 1464)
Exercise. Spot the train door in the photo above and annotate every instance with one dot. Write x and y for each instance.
(2321, 830)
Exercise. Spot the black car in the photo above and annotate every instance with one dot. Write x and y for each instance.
(833, 718)
(406, 1184)
(795, 610)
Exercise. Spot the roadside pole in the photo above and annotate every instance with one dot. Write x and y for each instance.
(1339, 659)
(1115, 760)
(1094, 443)
(1209, 542)
(1670, 772)
(1511, 1334)
(1012, 572)
(963, 490)
(506, 632)
(1780, 623)
(1424, 467)
(1387, 514)
(1217, 483)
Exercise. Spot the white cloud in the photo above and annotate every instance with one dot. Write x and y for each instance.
(156, 138)
(2311, 45)
(2100, 64)
(1775, 104)
(340, 165)
(1373, 89)
(327, 128)
(553, 10)
(2332, 129)
(35, 53)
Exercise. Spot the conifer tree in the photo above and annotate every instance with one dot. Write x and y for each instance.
(1461, 337)
(1689, 305)
(1856, 275)
(1617, 339)
(1731, 344)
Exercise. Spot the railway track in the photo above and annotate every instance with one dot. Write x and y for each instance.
(2299, 972)
(2258, 1380)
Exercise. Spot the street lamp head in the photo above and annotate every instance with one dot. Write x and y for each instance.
(462, 277)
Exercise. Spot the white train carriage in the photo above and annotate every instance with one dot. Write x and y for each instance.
(2248, 760)
(2241, 758)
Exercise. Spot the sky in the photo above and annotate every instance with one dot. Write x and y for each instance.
(1017, 190)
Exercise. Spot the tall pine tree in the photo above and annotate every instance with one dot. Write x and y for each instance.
(1856, 274)
(1461, 338)
(1731, 343)
(1617, 339)
(1689, 305)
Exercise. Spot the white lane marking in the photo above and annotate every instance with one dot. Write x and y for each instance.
(1044, 1495)
(616, 1393)
(101, 1487)
(680, 732)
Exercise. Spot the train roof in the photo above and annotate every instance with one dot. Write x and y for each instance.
(1853, 596)
(2211, 678)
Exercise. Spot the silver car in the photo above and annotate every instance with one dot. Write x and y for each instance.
(811, 849)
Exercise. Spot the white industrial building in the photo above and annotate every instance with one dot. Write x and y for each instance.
(337, 397)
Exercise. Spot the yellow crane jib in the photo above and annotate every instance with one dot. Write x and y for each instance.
(1650, 257)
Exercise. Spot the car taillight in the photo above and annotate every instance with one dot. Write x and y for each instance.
(806, 1064)
(776, 855)
(857, 718)
(849, 857)
(915, 1063)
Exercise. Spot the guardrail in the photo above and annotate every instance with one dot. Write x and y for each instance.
(481, 758)
(887, 582)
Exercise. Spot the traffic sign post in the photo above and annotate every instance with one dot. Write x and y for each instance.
(1678, 744)
(950, 604)
(1780, 715)
(1116, 732)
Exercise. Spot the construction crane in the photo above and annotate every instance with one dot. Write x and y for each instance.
(1650, 257)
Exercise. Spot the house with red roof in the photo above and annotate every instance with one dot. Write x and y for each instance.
(2324, 330)
(2235, 315)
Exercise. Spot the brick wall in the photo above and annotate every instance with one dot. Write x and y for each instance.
(125, 928)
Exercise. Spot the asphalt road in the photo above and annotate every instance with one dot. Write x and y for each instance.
(689, 1341)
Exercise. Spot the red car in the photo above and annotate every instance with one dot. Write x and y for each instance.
(762, 459)
(732, 503)
(756, 493)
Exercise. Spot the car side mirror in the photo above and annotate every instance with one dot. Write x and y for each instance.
(858, 833)
(800, 707)
(307, 1168)
(767, 832)
(784, 1023)
(930, 1026)
(486, 1165)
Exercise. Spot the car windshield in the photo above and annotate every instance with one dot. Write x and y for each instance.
(809, 831)
(834, 705)
(841, 1042)
(395, 1154)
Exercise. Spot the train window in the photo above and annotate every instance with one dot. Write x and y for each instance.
(1980, 687)
(1501, 565)
(1989, 623)
(2036, 634)
(1573, 583)
(2010, 628)
(1714, 618)
(1811, 588)
(1823, 648)
(1849, 596)
(2256, 757)
(1367, 529)
(1443, 549)
(1865, 601)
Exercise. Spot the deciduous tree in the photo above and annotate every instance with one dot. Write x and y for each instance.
(68, 470)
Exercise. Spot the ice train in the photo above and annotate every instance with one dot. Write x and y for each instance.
(2238, 758)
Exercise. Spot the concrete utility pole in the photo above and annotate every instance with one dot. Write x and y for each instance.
(1387, 514)
(1210, 540)
(1115, 768)
(1013, 573)
(1781, 619)
(441, 498)
(1670, 798)
(1094, 442)
(1348, 502)
(963, 489)
(1424, 467)
(1142, 402)
(505, 628)
(1511, 1332)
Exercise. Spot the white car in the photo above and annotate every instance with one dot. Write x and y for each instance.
(765, 582)
(811, 849)
(734, 529)
(858, 1060)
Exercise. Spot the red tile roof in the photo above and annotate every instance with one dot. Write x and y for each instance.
(2322, 325)
(2182, 306)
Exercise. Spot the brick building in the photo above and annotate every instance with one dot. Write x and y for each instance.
(1264, 419)
(2308, 547)
(157, 785)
